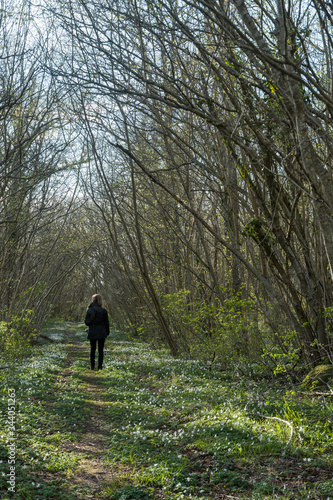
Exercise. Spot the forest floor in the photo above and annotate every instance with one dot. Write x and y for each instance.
(149, 426)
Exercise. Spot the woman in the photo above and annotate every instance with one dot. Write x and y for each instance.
(98, 321)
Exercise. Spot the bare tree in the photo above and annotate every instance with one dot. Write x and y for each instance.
(242, 94)
(36, 207)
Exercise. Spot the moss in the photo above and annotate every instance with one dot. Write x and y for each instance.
(318, 377)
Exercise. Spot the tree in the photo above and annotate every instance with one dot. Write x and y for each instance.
(35, 208)
(242, 93)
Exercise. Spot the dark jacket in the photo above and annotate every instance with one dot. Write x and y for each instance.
(98, 321)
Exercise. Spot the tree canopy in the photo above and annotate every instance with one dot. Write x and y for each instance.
(193, 139)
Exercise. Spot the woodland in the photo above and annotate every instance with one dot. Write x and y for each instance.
(176, 157)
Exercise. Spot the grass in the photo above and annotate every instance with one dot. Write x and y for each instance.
(170, 428)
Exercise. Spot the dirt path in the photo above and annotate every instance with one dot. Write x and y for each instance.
(92, 475)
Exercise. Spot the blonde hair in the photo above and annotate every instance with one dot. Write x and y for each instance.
(97, 298)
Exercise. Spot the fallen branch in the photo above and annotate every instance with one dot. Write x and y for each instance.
(326, 383)
(317, 393)
(4, 367)
(285, 422)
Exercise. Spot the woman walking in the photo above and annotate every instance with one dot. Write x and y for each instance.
(99, 328)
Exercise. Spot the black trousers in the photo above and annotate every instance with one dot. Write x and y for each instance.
(93, 343)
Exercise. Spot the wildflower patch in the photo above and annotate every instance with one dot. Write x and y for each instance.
(154, 427)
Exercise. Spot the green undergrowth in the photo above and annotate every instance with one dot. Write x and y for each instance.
(50, 414)
(188, 432)
(173, 428)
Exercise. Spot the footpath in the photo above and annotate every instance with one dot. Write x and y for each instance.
(152, 427)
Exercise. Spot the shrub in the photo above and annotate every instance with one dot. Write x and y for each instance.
(223, 331)
(15, 336)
